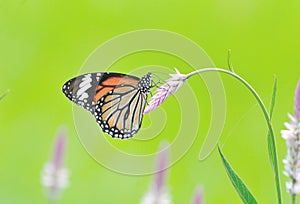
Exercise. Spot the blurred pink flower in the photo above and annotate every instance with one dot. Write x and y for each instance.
(198, 197)
(292, 138)
(163, 92)
(158, 192)
(54, 176)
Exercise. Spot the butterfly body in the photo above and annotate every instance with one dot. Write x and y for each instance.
(116, 100)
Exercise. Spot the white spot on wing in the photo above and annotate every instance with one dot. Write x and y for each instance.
(83, 96)
(84, 86)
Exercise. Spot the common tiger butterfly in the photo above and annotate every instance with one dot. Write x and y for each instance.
(116, 100)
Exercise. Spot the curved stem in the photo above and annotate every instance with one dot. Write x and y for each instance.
(260, 102)
(271, 139)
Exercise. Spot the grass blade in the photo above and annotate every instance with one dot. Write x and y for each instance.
(272, 146)
(4, 94)
(273, 97)
(237, 182)
(229, 61)
(271, 136)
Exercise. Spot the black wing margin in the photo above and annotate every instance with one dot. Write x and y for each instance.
(81, 90)
(119, 113)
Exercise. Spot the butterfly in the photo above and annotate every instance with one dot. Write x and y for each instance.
(116, 100)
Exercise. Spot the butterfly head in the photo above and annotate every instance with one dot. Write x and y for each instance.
(145, 83)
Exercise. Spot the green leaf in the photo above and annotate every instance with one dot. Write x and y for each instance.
(274, 164)
(271, 137)
(237, 182)
(272, 146)
(4, 94)
(273, 97)
(229, 61)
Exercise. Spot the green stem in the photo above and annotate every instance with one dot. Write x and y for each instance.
(293, 198)
(260, 102)
(265, 113)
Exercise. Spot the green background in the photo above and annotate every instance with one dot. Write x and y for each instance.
(44, 43)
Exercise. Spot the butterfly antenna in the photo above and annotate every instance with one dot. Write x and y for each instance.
(157, 81)
(156, 84)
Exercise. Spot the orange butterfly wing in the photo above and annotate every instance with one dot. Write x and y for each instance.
(116, 100)
(110, 83)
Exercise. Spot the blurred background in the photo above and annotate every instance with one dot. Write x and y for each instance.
(44, 43)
